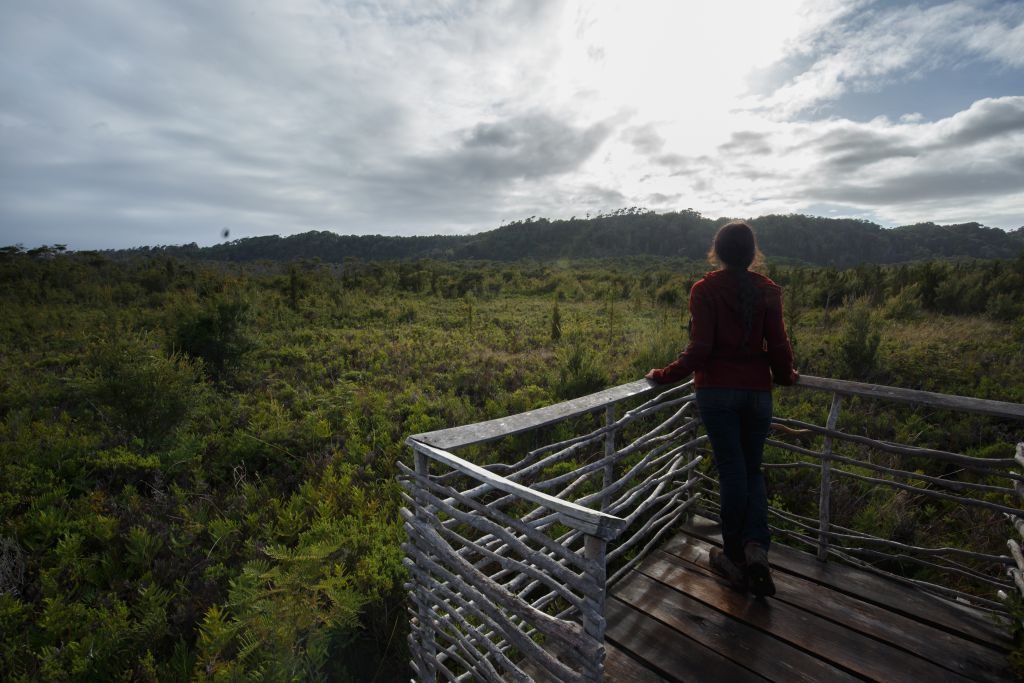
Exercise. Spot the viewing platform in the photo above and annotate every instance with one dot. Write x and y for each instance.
(673, 619)
(570, 543)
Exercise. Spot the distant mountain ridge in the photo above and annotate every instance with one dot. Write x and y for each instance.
(631, 232)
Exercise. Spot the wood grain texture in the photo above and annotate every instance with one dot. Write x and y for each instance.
(740, 642)
(666, 652)
(952, 652)
(927, 398)
(482, 432)
(918, 605)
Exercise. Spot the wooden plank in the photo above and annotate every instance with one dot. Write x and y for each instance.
(928, 398)
(965, 657)
(947, 615)
(671, 654)
(593, 522)
(619, 667)
(843, 647)
(482, 432)
(747, 646)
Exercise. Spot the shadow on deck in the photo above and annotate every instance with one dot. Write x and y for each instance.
(673, 619)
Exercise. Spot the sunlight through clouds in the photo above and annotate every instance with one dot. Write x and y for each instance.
(147, 122)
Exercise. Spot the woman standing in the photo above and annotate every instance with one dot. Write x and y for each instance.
(738, 348)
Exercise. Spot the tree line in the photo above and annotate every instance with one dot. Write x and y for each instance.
(798, 239)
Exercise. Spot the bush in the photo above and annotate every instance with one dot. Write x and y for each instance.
(137, 389)
(1004, 306)
(657, 346)
(904, 305)
(858, 344)
(579, 370)
(668, 295)
(214, 333)
(556, 323)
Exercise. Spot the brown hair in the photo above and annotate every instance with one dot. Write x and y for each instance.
(735, 246)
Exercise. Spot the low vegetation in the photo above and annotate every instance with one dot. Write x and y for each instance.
(198, 458)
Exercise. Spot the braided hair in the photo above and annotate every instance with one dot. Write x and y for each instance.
(736, 249)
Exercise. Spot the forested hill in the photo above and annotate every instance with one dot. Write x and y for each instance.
(632, 232)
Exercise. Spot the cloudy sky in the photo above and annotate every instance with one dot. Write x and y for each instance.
(145, 122)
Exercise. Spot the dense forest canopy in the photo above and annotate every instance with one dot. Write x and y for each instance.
(840, 243)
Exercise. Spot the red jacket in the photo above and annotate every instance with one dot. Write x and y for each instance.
(716, 353)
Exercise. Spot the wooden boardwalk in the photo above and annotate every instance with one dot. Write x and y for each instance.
(672, 619)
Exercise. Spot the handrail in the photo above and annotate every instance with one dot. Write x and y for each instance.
(454, 438)
(928, 398)
(489, 430)
(588, 521)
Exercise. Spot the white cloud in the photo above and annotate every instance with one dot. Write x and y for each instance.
(1001, 38)
(886, 44)
(142, 122)
(907, 171)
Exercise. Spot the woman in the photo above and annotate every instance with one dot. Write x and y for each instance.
(738, 348)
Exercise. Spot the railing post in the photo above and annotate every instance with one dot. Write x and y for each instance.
(426, 631)
(594, 549)
(609, 451)
(824, 495)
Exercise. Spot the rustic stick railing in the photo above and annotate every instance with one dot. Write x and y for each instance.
(510, 562)
(986, 486)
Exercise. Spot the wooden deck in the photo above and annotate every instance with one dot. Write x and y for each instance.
(674, 620)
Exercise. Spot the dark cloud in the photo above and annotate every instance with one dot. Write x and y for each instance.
(984, 120)
(660, 199)
(677, 164)
(645, 139)
(866, 155)
(600, 198)
(671, 159)
(493, 135)
(529, 146)
(746, 143)
(922, 185)
(857, 145)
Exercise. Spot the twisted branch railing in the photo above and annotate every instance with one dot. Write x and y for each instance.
(510, 563)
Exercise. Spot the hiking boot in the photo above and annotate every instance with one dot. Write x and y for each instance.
(723, 565)
(759, 574)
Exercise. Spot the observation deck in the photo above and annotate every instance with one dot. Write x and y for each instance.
(570, 543)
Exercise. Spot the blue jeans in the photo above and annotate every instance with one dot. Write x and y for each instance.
(737, 422)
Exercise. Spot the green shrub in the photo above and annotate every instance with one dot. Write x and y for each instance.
(657, 345)
(214, 333)
(139, 391)
(670, 294)
(556, 323)
(1004, 306)
(579, 370)
(858, 342)
(904, 305)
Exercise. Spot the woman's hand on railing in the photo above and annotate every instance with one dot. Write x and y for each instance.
(659, 376)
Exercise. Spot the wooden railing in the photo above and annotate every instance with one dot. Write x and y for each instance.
(514, 543)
